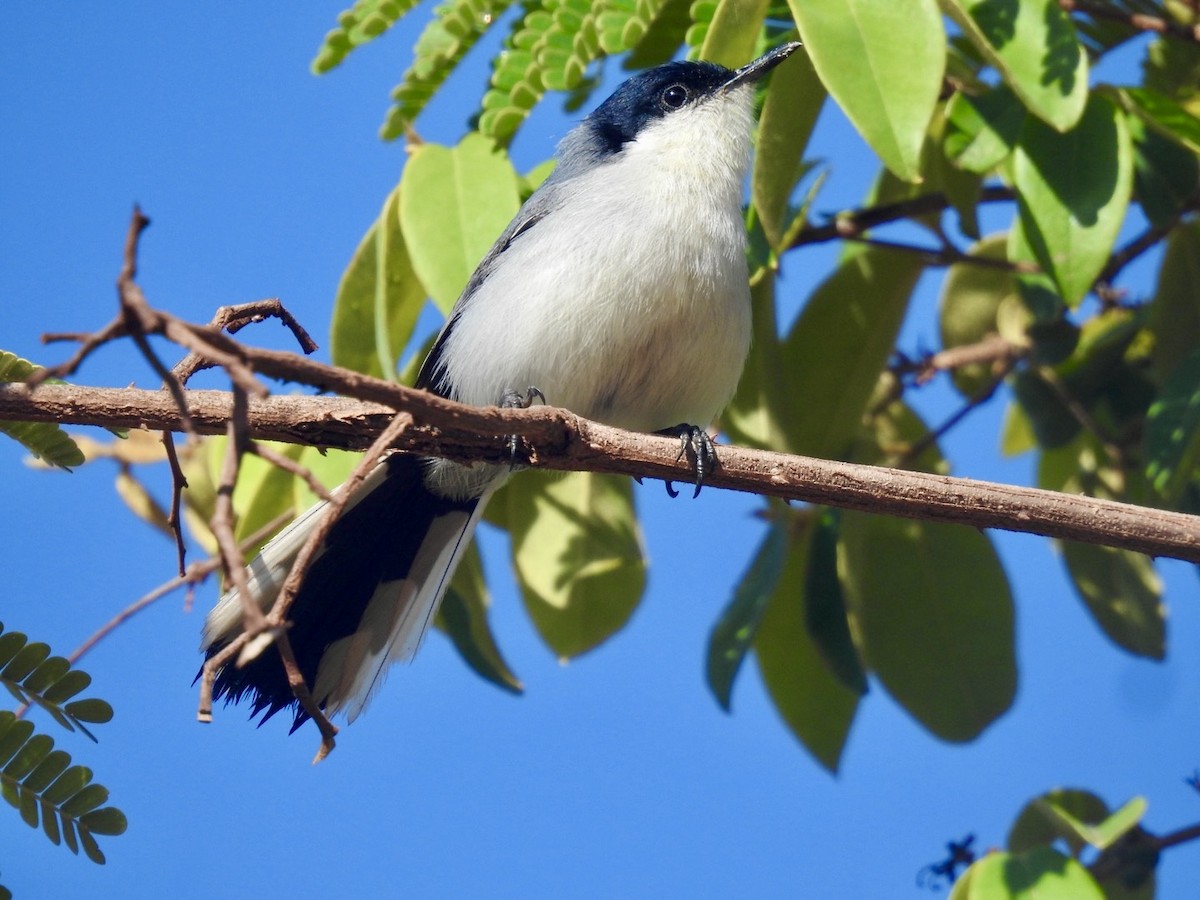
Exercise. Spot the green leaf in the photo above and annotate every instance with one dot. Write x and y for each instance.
(1123, 593)
(45, 440)
(463, 616)
(1101, 835)
(29, 658)
(1165, 175)
(1033, 45)
(755, 416)
(92, 710)
(971, 299)
(890, 89)
(982, 130)
(1175, 310)
(577, 551)
(789, 113)
(109, 820)
(825, 606)
(363, 22)
(931, 610)
(735, 631)
(1163, 114)
(1073, 190)
(1172, 435)
(839, 345)
(454, 203)
(733, 32)
(1040, 874)
(1036, 826)
(378, 299)
(814, 704)
(138, 499)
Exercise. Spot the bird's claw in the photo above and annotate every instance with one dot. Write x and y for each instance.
(698, 447)
(514, 399)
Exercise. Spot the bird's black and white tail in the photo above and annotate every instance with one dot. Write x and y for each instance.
(366, 601)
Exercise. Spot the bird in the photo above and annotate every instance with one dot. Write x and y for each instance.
(620, 292)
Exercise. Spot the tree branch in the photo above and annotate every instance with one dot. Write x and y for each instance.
(557, 439)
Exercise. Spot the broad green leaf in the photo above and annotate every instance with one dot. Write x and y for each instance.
(734, 632)
(825, 606)
(378, 299)
(1123, 593)
(454, 203)
(577, 551)
(1175, 310)
(1073, 190)
(1033, 45)
(970, 301)
(1040, 874)
(1102, 834)
(1016, 434)
(882, 62)
(755, 416)
(463, 616)
(961, 187)
(932, 614)
(45, 440)
(330, 468)
(837, 348)
(1035, 826)
(812, 702)
(981, 131)
(1172, 435)
(1165, 175)
(733, 32)
(1163, 114)
(794, 101)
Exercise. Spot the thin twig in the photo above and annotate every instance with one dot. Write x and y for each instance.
(1137, 21)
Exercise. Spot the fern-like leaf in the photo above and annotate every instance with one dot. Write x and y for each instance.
(455, 28)
(47, 790)
(44, 440)
(360, 24)
(33, 676)
(550, 49)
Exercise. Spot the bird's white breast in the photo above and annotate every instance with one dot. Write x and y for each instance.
(628, 303)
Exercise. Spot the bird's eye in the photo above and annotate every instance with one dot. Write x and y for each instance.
(675, 96)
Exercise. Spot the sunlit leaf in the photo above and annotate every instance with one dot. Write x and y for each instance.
(1039, 874)
(454, 203)
(45, 440)
(733, 32)
(1073, 190)
(1033, 45)
(970, 301)
(982, 130)
(890, 90)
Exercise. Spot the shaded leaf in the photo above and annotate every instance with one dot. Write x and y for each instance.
(1174, 318)
(825, 606)
(969, 305)
(378, 299)
(1172, 435)
(982, 130)
(1165, 115)
(789, 113)
(734, 633)
(815, 705)
(1073, 191)
(842, 341)
(1035, 827)
(1165, 175)
(577, 551)
(890, 91)
(930, 608)
(1123, 593)
(463, 616)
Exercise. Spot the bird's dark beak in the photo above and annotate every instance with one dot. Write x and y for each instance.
(753, 71)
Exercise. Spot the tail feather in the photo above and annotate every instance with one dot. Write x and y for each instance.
(367, 599)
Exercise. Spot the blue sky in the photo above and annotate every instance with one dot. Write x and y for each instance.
(616, 774)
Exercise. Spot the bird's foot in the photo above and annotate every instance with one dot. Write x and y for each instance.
(698, 447)
(514, 399)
